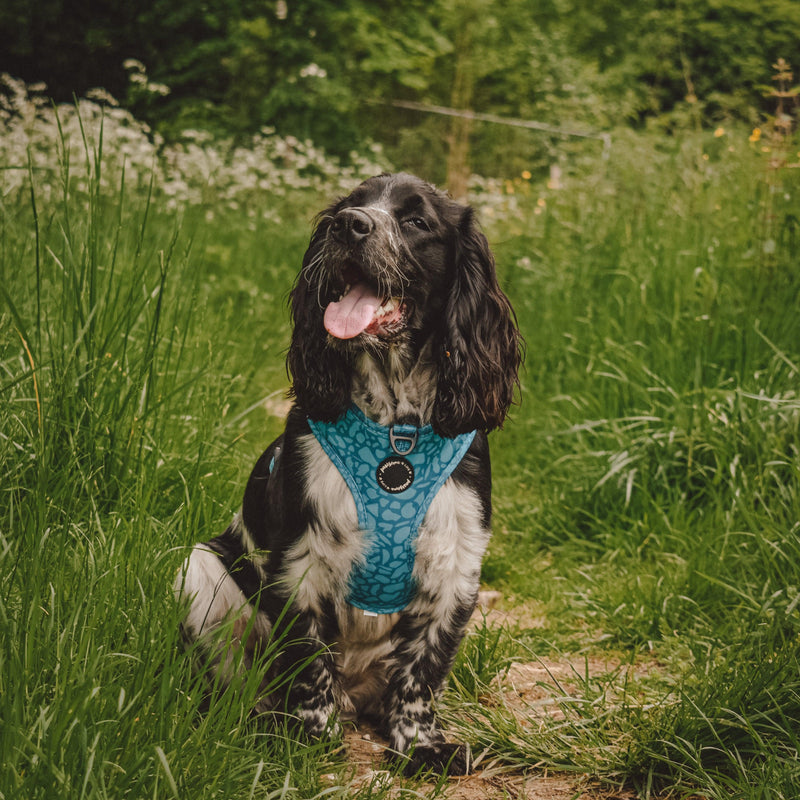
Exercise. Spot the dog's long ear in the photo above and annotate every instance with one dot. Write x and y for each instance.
(320, 374)
(481, 349)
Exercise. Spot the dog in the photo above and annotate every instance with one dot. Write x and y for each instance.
(364, 524)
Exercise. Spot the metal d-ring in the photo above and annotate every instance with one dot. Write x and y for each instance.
(408, 434)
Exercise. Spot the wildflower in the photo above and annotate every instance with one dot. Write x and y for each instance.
(719, 132)
(313, 70)
(134, 64)
(755, 135)
(541, 202)
(526, 175)
(158, 88)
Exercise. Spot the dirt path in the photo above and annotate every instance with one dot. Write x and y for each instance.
(523, 685)
(492, 782)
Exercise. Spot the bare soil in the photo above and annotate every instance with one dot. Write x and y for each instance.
(492, 782)
(524, 685)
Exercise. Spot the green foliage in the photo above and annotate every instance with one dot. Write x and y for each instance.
(118, 405)
(657, 451)
(329, 71)
(646, 491)
(705, 55)
(486, 653)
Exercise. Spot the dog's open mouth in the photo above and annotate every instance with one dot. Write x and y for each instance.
(361, 310)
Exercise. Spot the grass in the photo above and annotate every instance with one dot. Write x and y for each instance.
(646, 490)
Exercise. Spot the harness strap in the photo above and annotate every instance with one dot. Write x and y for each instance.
(393, 474)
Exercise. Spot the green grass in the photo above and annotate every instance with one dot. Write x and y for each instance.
(646, 490)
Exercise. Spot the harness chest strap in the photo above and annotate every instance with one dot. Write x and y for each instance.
(393, 474)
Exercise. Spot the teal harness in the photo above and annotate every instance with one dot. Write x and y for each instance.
(393, 474)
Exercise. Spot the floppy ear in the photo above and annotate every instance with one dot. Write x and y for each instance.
(481, 348)
(320, 374)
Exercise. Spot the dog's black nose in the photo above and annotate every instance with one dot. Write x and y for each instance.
(351, 225)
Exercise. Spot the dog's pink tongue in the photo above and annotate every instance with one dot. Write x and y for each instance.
(349, 316)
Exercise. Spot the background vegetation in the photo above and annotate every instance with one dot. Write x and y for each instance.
(647, 490)
(329, 71)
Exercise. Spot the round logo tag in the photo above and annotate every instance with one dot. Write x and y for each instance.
(394, 474)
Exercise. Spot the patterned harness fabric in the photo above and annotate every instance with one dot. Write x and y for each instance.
(393, 474)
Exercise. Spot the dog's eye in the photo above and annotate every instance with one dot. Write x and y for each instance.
(417, 222)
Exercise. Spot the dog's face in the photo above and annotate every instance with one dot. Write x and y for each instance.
(394, 268)
(383, 263)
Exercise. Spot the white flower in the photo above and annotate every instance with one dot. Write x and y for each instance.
(133, 64)
(313, 70)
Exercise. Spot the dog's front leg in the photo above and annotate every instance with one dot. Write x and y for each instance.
(423, 661)
(311, 695)
(312, 698)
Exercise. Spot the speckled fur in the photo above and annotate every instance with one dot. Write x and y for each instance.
(452, 364)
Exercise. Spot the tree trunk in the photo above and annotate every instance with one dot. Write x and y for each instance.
(458, 170)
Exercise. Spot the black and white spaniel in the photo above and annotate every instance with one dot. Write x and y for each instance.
(364, 524)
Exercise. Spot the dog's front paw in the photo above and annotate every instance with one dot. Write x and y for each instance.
(319, 723)
(441, 758)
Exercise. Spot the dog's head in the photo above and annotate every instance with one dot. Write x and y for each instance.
(394, 267)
